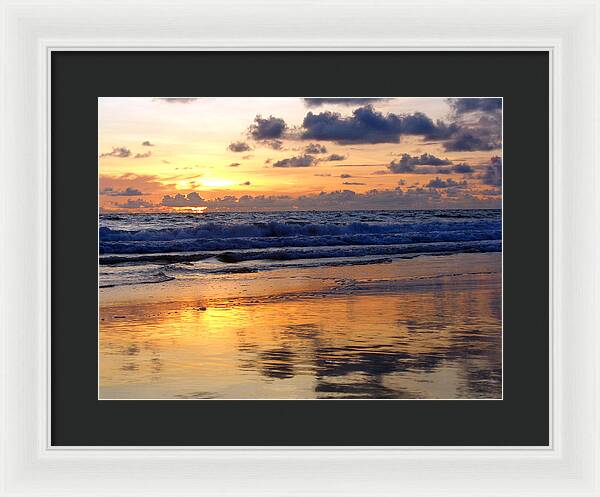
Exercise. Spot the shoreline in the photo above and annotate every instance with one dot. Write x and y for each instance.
(296, 280)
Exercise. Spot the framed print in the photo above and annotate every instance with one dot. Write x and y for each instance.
(234, 257)
(247, 265)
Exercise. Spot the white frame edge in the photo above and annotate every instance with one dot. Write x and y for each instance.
(28, 465)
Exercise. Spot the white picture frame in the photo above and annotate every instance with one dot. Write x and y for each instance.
(568, 30)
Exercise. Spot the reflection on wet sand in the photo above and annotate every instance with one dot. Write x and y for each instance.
(366, 336)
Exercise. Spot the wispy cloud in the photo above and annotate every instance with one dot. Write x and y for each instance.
(135, 204)
(127, 192)
(121, 152)
(319, 101)
(177, 100)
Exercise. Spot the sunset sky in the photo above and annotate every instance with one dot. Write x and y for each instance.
(251, 153)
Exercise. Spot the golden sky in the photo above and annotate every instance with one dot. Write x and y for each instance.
(163, 154)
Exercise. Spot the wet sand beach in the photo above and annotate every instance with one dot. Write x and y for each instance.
(422, 328)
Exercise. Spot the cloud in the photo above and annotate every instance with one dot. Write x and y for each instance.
(135, 204)
(395, 199)
(239, 147)
(245, 183)
(129, 184)
(440, 183)
(317, 102)
(369, 126)
(479, 124)
(166, 161)
(345, 176)
(121, 152)
(274, 144)
(466, 105)
(408, 163)
(176, 100)
(266, 129)
(462, 168)
(492, 192)
(147, 144)
(473, 140)
(335, 157)
(192, 199)
(247, 157)
(120, 193)
(493, 172)
(142, 156)
(352, 183)
(234, 164)
(298, 161)
(315, 148)
(323, 175)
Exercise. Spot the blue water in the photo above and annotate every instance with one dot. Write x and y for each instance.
(150, 248)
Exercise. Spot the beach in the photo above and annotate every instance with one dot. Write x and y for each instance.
(406, 327)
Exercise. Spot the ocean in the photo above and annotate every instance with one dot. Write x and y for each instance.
(154, 248)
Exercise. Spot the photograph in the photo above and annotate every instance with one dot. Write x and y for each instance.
(300, 248)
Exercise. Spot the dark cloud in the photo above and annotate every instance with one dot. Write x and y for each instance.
(234, 164)
(493, 172)
(449, 183)
(317, 102)
(323, 175)
(147, 144)
(142, 156)
(266, 129)
(135, 204)
(117, 152)
(239, 147)
(120, 193)
(274, 144)
(351, 183)
(315, 148)
(368, 126)
(345, 176)
(166, 161)
(298, 161)
(466, 105)
(247, 157)
(408, 163)
(245, 183)
(177, 100)
(462, 168)
(473, 140)
(335, 157)
(479, 124)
